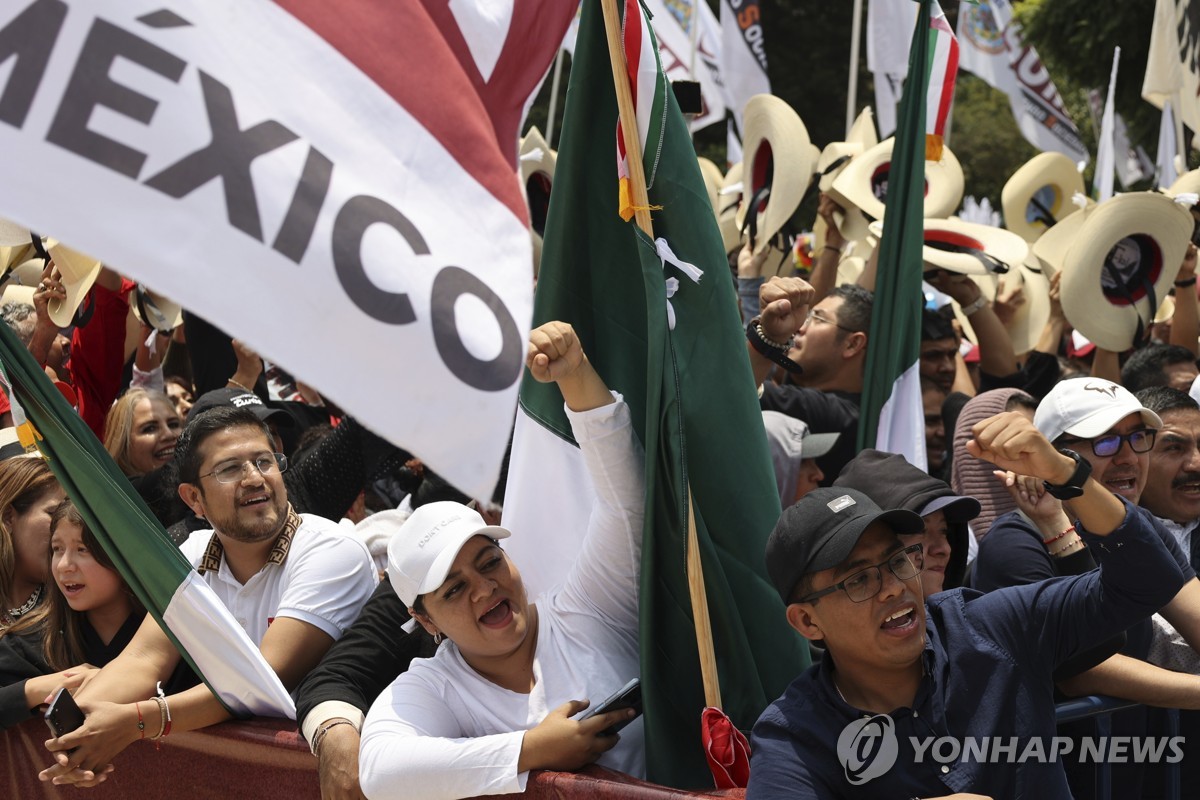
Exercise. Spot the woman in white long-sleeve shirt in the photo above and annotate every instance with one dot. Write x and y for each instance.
(499, 697)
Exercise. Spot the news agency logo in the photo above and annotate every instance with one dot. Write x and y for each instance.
(868, 748)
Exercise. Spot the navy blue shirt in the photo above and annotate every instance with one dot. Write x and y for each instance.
(988, 663)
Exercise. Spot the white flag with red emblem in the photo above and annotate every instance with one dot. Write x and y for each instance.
(333, 183)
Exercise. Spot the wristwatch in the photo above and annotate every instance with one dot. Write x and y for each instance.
(1074, 486)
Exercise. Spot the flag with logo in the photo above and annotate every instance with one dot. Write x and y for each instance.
(272, 165)
(200, 626)
(659, 320)
(891, 414)
(993, 49)
(743, 64)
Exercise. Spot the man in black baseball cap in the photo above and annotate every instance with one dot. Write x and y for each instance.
(900, 671)
(275, 418)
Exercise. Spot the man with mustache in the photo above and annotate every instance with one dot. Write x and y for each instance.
(1172, 492)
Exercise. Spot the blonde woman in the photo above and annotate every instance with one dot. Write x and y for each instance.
(140, 431)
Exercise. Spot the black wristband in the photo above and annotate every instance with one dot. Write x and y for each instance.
(1183, 284)
(769, 350)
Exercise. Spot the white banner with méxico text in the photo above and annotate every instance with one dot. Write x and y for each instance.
(275, 168)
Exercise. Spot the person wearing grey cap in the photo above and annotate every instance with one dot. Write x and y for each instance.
(794, 453)
(900, 668)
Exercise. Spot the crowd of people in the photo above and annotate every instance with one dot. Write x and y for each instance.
(1044, 546)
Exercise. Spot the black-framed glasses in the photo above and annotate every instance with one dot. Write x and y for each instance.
(265, 464)
(860, 587)
(1141, 441)
(819, 316)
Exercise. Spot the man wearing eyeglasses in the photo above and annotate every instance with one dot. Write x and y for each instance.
(900, 670)
(294, 583)
(824, 348)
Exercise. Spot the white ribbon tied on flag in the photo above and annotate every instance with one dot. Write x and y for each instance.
(667, 256)
(535, 154)
(1080, 199)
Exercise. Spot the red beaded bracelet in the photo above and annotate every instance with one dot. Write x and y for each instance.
(1053, 539)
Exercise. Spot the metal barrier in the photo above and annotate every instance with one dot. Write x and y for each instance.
(1101, 709)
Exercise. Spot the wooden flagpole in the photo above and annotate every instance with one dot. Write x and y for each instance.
(641, 203)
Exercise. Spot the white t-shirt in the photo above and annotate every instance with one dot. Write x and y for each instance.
(323, 578)
(441, 730)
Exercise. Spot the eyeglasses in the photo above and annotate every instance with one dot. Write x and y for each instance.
(1104, 446)
(819, 316)
(905, 564)
(266, 465)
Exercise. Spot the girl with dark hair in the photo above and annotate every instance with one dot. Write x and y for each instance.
(92, 614)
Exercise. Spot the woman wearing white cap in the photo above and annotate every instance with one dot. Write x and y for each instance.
(499, 697)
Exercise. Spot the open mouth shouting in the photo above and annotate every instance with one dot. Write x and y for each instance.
(165, 454)
(902, 621)
(1124, 485)
(498, 616)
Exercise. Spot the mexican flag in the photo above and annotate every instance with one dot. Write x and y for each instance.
(693, 401)
(206, 634)
(891, 416)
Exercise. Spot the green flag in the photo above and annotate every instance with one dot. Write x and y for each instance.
(891, 416)
(203, 630)
(692, 397)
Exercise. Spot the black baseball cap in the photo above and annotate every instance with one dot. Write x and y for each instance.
(820, 531)
(240, 399)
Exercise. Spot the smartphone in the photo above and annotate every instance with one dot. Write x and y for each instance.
(63, 715)
(628, 696)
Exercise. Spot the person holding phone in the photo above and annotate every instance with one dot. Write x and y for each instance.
(503, 692)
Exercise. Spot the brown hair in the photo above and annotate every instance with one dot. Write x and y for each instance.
(118, 425)
(63, 642)
(24, 481)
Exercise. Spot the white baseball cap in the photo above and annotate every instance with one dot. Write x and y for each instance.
(423, 550)
(1087, 408)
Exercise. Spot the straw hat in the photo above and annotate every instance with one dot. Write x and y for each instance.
(778, 156)
(1043, 186)
(1025, 326)
(1187, 183)
(966, 247)
(78, 273)
(729, 197)
(863, 183)
(1121, 264)
(156, 310)
(712, 180)
(537, 176)
(836, 155)
(21, 282)
(12, 234)
(1050, 250)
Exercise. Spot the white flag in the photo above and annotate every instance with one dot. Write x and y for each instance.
(276, 168)
(1173, 66)
(679, 26)
(1102, 182)
(991, 47)
(743, 63)
(1165, 172)
(890, 25)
